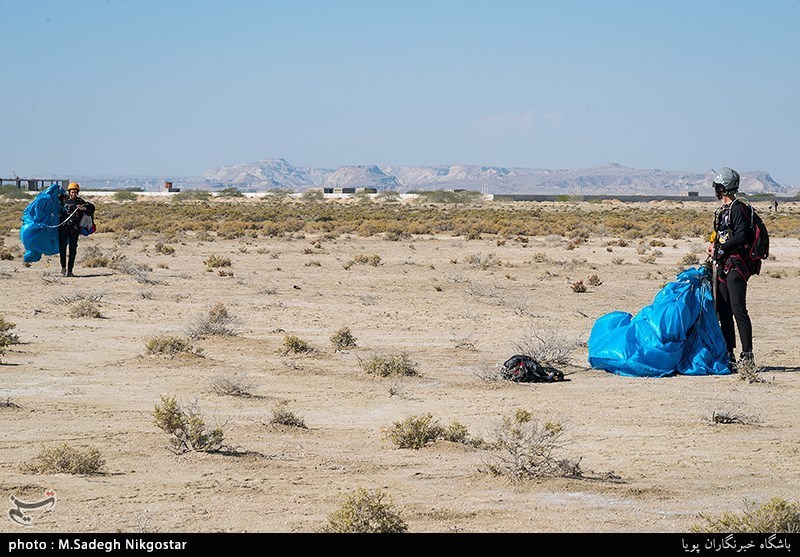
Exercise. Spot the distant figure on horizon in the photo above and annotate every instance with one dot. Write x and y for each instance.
(73, 209)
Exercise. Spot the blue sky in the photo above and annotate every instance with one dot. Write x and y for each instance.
(175, 88)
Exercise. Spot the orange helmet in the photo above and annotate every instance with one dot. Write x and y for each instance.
(73, 186)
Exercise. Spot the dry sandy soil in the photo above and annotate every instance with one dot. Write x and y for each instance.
(652, 457)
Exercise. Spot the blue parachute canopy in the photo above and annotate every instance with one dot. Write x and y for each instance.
(39, 230)
(678, 333)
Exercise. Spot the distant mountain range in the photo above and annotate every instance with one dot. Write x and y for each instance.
(611, 179)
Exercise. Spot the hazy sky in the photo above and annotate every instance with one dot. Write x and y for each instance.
(178, 87)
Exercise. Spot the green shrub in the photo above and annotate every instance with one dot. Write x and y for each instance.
(65, 459)
(187, 427)
(774, 516)
(365, 512)
(391, 364)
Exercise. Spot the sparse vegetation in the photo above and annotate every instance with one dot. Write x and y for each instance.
(215, 261)
(526, 449)
(295, 345)
(84, 308)
(170, 346)
(414, 432)
(236, 384)
(125, 195)
(343, 338)
(389, 364)
(283, 416)
(187, 427)
(549, 349)
(365, 512)
(216, 321)
(66, 459)
(777, 516)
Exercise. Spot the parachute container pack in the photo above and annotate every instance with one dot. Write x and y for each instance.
(677, 334)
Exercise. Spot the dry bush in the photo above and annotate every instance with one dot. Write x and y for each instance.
(343, 338)
(362, 259)
(689, 259)
(84, 308)
(365, 512)
(93, 256)
(170, 346)
(283, 416)
(578, 286)
(389, 364)
(295, 345)
(749, 372)
(217, 321)
(594, 280)
(772, 517)
(65, 459)
(187, 427)
(618, 261)
(214, 261)
(526, 449)
(7, 336)
(414, 432)
(549, 349)
(730, 417)
(164, 249)
(237, 384)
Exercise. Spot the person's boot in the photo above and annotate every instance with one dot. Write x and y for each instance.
(63, 271)
(747, 358)
(69, 273)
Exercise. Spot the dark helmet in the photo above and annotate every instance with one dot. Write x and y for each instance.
(726, 182)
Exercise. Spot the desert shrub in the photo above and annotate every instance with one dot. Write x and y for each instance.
(191, 195)
(390, 364)
(594, 280)
(689, 259)
(7, 335)
(618, 261)
(748, 371)
(549, 349)
(578, 286)
(187, 427)
(84, 308)
(388, 196)
(164, 249)
(414, 432)
(343, 338)
(230, 192)
(13, 192)
(169, 346)
(237, 384)
(93, 256)
(526, 449)
(66, 459)
(217, 261)
(125, 195)
(365, 512)
(295, 345)
(312, 196)
(363, 259)
(283, 416)
(217, 321)
(775, 516)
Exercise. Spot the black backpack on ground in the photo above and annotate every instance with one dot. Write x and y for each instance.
(521, 368)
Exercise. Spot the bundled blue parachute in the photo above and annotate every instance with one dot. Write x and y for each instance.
(40, 220)
(678, 333)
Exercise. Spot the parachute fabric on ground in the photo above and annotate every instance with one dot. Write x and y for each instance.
(678, 333)
(39, 230)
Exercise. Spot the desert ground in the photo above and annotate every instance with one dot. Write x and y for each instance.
(652, 456)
